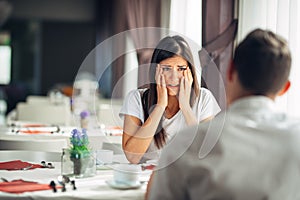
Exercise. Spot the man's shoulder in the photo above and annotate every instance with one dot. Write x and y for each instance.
(188, 142)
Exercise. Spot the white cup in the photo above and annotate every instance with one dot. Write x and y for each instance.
(104, 156)
(127, 174)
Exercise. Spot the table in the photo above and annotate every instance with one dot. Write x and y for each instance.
(87, 188)
(59, 140)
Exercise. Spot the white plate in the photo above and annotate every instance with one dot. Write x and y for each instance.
(153, 162)
(123, 186)
(104, 167)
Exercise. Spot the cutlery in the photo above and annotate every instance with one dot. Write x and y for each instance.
(28, 167)
(63, 179)
(49, 165)
(4, 179)
(53, 186)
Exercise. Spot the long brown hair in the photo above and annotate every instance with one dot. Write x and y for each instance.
(168, 47)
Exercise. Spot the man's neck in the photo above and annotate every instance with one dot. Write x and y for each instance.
(248, 94)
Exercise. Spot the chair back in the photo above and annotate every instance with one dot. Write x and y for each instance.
(115, 147)
(44, 113)
(30, 156)
(53, 145)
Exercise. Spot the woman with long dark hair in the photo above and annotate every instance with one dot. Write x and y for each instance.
(173, 101)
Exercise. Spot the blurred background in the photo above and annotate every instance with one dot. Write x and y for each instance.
(44, 42)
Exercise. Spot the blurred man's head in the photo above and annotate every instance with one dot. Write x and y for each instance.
(261, 65)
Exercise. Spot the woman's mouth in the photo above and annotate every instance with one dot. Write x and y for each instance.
(173, 89)
(173, 85)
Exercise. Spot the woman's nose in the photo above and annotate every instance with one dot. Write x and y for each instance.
(173, 77)
(175, 73)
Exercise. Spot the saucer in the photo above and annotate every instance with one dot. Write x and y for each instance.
(104, 167)
(123, 186)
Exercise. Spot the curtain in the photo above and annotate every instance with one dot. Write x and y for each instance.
(119, 19)
(219, 28)
(143, 13)
(185, 18)
(5, 11)
(118, 65)
(282, 17)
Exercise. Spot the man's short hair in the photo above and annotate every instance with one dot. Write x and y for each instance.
(263, 62)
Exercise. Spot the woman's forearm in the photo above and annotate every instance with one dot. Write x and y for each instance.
(137, 140)
(189, 116)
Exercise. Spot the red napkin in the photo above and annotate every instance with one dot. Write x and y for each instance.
(20, 186)
(18, 165)
(148, 167)
(35, 132)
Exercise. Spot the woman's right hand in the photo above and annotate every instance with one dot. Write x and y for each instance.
(162, 93)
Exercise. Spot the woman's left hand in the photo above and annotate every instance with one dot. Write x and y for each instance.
(185, 88)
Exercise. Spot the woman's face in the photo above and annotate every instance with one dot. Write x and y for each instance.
(173, 69)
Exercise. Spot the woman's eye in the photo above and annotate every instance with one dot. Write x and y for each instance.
(182, 68)
(166, 69)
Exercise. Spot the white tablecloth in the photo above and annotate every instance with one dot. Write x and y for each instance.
(87, 188)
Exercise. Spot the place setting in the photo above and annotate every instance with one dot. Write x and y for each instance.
(78, 162)
(19, 185)
(126, 176)
(21, 165)
(32, 128)
(104, 159)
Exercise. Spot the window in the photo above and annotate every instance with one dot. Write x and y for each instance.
(282, 17)
(5, 58)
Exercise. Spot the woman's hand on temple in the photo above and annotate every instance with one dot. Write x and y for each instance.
(162, 93)
(185, 89)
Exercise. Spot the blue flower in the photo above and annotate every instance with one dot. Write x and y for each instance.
(80, 142)
(84, 114)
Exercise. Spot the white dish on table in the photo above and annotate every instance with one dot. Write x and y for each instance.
(123, 186)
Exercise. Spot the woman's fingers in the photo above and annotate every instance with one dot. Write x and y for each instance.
(163, 81)
(162, 96)
(189, 76)
(182, 84)
(157, 74)
(159, 77)
(185, 88)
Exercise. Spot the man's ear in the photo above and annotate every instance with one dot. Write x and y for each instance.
(230, 71)
(285, 88)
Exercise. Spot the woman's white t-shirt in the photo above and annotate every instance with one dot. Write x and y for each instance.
(205, 106)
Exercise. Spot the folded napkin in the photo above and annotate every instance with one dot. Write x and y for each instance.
(20, 186)
(18, 165)
(148, 167)
(38, 130)
(113, 131)
(35, 132)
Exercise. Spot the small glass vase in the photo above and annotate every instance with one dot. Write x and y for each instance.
(84, 123)
(78, 165)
